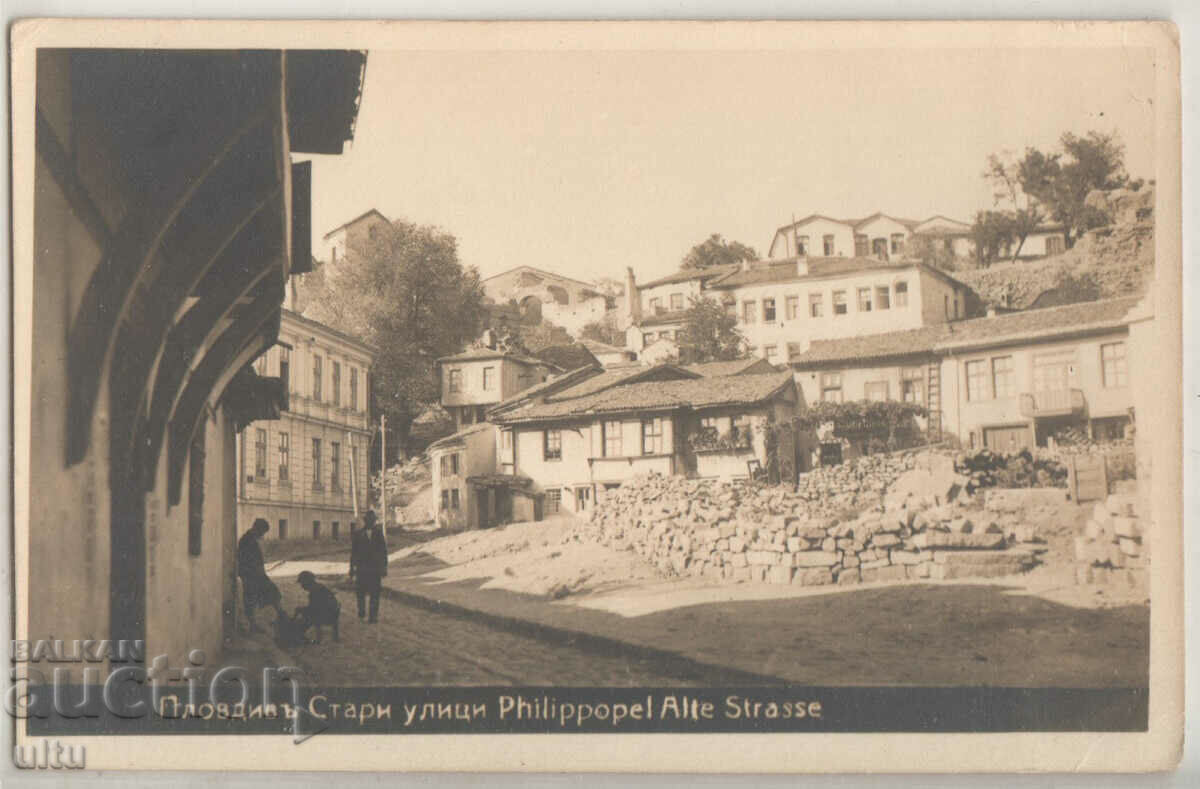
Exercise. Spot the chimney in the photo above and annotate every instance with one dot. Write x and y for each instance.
(633, 299)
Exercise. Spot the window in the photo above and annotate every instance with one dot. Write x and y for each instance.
(316, 459)
(655, 305)
(912, 384)
(196, 494)
(652, 436)
(770, 352)
(768, 310)
(260, 453)
(748, 311)
(676, 301)
(335, 529)
(876, 391)
(792, 307)
(582, 497)
(316, 530)
(1054, 245)
(337, 383)
(284, 450)
(612, 439)
(739, 428)
(1112, 365)
(454, 498)
(827, 243)
(445, 499)
(1003, 381)
(316, 383)
(456, 380)
(977, 379)
(839, 302)
(552, 445)
(467, 414)
(793, 350)
(801, 245)
(353, 388)
(831, 387)
(815, 308)
(862, 246)
(335, 461)
(489, 378)
(864, 299)
(1052, 371)
(283, 528)
(897, 243)
(882, 300)
(285, 365)
(901, 294)
(553, 501)
(449, 464)
(651, 337)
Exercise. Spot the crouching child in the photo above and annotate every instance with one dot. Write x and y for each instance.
(322, 609)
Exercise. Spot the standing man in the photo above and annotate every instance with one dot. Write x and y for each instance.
(368, 557)
(257, 589)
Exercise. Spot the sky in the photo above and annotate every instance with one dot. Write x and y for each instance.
(584, 163)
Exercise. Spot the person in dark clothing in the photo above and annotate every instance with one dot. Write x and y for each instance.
(368, 559)
(322, 609)
(258, 591)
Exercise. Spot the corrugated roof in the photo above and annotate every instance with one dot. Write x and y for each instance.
(687, 275)
(693, 393)
(1001, 329)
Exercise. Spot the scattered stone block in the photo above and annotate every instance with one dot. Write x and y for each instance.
(905, 557)
(815, 559)
(893, 572)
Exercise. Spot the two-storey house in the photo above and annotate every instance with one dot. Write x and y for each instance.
(306, 472)
(481, 377)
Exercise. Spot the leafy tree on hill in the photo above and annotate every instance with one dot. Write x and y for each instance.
(1061, 181)
(709, 334)
(408, 295)
(991, 232)
(1022, 212)
(716, 251)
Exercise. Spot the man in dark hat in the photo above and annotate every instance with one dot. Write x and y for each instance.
(258, 590)
(322, 609)
(368, 560)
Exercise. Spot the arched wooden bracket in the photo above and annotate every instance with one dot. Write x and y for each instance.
(215, 365)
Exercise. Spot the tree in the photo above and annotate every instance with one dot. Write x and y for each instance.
(407, 294)
(716, 251)
(603, 331)
(991, 232)
(932, 251)
(1062, 180)
(543, 335)
(709, 334)
(1023, 212)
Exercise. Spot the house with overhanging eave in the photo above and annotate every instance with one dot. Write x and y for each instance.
(1005, 382)
(591, 430)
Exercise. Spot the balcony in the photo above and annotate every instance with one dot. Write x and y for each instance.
(1061, 402)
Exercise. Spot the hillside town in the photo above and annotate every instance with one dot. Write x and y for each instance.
(544, 478)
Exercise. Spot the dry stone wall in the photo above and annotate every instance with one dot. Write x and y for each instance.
(921, 524)
(1114, 547)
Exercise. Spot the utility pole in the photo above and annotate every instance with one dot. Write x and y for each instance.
(383, 470)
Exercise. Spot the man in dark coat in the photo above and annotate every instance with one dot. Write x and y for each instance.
(368, 559)
(258, 590)
(322, 609)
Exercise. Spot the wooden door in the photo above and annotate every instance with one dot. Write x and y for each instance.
(1006, 439)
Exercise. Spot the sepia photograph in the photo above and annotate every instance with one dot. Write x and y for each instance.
(803, 382)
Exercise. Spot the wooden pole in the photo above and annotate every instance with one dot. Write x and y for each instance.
(383, 470)
(353, 474)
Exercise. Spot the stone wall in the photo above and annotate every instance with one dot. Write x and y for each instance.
(922, 524)
(1114, 547)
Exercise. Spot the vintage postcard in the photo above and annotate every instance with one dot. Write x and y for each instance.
(694, 397)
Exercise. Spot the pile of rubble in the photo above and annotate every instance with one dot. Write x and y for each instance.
(855, 484)
(927, 526)
(1114, 547)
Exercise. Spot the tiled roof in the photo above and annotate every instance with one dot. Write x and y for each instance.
(687, 275)
(558, 382)
(657, 396)
(788, 270)
(567, 357)
(477, 354)
(735, 367)
(1001, 329)
(460, 436)
(595, 346)
(872, 346)
(1033, 324)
